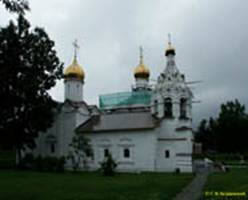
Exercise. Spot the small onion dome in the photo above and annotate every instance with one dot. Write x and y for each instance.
(141, 71)
(74, 71)
(170, 50)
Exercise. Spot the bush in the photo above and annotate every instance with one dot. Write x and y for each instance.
(7, 159)
(49, 164)
(177, 171)
(26, 162)
(60, 165)
(108, 166)
(46, 164)
(38, 164)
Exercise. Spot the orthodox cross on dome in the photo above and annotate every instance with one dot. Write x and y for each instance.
(76, 48)
(141, 54)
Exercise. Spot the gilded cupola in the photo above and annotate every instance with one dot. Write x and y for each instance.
(74, 70)
(141, 71)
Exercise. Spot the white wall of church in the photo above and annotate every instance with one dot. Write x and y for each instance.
(178, 143)
(142, 146)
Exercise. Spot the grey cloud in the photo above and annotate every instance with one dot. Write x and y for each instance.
(210, 39)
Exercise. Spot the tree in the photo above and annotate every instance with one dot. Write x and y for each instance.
(81, 151)
(17, 6)
(232, 128)
(228, 132)
(108, 166)
(29, 67)
(206, 134)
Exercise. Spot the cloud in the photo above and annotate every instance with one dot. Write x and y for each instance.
(210, 39)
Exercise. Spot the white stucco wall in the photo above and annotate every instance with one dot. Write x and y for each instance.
(142, 145)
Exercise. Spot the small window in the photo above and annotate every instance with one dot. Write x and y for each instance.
(106, 152)
(126, 153)
(89, 153)
(183, 108)
(167, 154)
(168, 107)
(156, 106)
(52, 148)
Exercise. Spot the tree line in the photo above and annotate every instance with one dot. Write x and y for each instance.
(228, 132)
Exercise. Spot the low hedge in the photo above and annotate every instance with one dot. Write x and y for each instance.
(42, 164)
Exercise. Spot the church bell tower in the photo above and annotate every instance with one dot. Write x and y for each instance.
(172, 97)
(74, 79)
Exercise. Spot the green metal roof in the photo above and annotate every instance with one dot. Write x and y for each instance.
(124, 99)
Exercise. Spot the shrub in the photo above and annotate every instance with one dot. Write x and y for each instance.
(26, 162)
(7, 159)
(38, 164)
(177, 171)
(46, 164)
(60, 165)
(108, 166)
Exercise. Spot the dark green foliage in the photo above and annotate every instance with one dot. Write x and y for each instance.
(26, 162)
(17, 6)
(177, 171)
(29, 67)
(228, 132)
(38, 164)
(60, 164)
(108, 166)
(81, 151)
(7, 159)
(46, 164)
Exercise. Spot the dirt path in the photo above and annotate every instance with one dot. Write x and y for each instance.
(193, 191)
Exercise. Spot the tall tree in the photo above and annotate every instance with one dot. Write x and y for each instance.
(29, 67)
(17, 6)
(228, 132)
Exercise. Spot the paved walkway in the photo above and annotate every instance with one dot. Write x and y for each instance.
(193, 191)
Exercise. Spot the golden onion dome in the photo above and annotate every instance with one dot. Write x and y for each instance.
(74, 70)
(141, 71)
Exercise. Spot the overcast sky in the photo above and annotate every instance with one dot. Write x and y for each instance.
(210, 37)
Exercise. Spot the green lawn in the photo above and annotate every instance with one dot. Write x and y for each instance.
(234, 181)
(90, 186)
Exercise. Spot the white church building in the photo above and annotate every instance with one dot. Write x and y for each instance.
(148, 128)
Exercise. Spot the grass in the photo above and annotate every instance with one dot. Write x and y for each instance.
(90, 186)
(234, 181)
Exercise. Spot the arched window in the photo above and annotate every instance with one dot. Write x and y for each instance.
(52, 147)
(126, 153)
(51, 141)
(183, 108)
(167, 153)
(106, 152)
(168, 107)
(156, 106)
